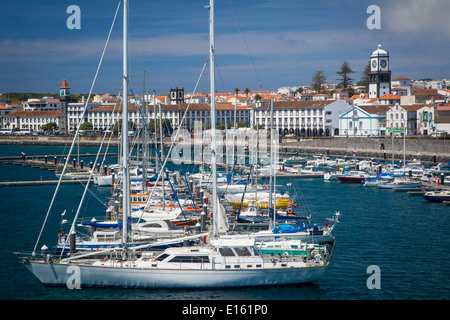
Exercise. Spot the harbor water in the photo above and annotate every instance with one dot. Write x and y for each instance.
(400, 236)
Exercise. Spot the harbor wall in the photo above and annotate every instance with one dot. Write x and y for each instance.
(426, 149)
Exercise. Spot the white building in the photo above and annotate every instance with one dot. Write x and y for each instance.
(442, 119)
(300, 118)
(402, 118)
(75, 113)
(104, 117)
(33, 120)
(46, 103)
(363, 121)
(425, 120)
(332, 113)
(401, 85)
(389, 100)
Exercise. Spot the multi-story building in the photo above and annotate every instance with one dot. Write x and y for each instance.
(425, 120)
(402, 119)
(33, 120)
(301, 118)
(104, 117)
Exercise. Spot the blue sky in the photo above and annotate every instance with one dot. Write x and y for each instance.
(287, 42)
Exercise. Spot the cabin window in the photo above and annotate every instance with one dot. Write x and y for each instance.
(162, 257)
(226, 252)
(190, 259)
(242, 251)
(153, 225)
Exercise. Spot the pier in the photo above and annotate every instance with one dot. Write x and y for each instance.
(52, 163)
(39, 183)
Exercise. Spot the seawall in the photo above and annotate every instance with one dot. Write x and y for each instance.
(426, 149)
(381, 148)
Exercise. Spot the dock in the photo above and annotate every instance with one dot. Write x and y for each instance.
(39, 183)
(52, 162)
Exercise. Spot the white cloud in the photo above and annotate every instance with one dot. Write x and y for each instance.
(415, 18)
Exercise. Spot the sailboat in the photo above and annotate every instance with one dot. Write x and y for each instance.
(234, 261)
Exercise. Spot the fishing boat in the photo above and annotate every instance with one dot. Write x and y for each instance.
(231, 261)
(437, 196)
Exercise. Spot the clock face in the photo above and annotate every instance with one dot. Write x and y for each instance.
(374, 63)
(383, 63)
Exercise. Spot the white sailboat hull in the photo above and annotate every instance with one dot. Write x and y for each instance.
(78, 276)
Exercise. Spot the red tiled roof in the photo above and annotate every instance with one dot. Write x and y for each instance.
(375, 109)
(401, 78)
(390, 97)
(300, 104)
(173, 107)
(33, 114)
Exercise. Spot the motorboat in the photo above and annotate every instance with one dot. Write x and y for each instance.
(437, 196)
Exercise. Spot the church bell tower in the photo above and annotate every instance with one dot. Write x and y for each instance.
(176, 96)
(380, 74)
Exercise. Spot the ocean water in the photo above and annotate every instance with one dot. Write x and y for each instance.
(404, 236)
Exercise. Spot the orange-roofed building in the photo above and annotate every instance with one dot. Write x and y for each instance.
(389, 99)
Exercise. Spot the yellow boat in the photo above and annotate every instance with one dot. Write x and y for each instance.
(279, 203)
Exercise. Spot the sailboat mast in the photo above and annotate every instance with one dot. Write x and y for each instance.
(144, 139)
(271, 160)
(125, 177)
(213, 118)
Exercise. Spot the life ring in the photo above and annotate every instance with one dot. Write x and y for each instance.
(289, 210)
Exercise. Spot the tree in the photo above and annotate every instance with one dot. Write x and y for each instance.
(86, 126)
(247, 91)
(117, 127)
(50, 127)
(346, 81)
(151, 125)
(364, 81)
(318, 80)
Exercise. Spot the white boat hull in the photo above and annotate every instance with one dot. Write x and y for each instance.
(78, 276)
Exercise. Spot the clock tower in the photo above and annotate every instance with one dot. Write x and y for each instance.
(380, 74)
(64, 93)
